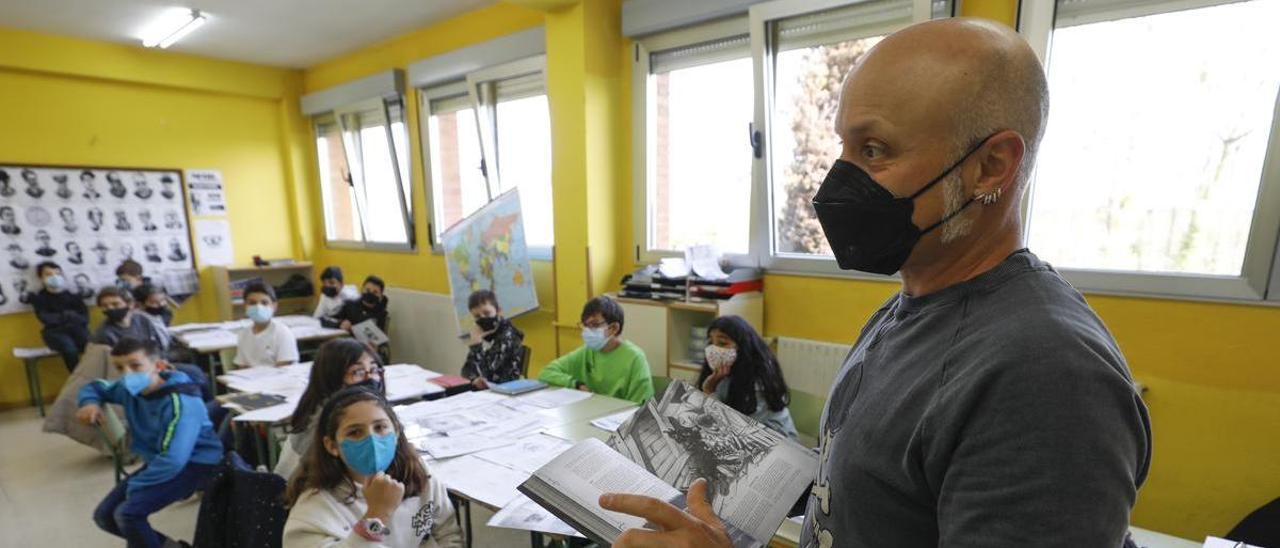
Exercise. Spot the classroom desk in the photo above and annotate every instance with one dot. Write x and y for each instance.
(207, 348)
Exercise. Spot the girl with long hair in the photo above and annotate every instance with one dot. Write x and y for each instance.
(742, 372)
(339, 363)
(362, 483)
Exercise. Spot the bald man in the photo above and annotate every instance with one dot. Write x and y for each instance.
(986, 404)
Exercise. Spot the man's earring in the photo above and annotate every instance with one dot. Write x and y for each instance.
(990, 198)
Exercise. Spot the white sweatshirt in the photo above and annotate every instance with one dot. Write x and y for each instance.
(328, 307)
(320, 519)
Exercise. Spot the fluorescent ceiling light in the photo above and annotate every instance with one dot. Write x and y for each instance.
(172, 26)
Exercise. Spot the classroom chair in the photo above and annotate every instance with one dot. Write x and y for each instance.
(31, 362)
(806, 411)
(115, 436)
(222, 520)
(526, 356)
(660, 385)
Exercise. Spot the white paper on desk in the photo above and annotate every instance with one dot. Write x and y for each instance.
(183, 328)
(443, 446)
(295, 320)
(673, 267)
(527, 454)
(273, 414)
(548, 399)
(368, 332)
(213, 242)
(398, 370)
(704, 261)
(479, 480)
(407, 388)
(525, 515)
(1215, 542)
(610, 423)
(253, 373)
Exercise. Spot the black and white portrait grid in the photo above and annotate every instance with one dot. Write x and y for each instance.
(88, 220)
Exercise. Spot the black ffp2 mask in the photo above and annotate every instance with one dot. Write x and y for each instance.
(868, 228)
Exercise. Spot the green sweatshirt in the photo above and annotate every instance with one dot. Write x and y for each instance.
(621, 373)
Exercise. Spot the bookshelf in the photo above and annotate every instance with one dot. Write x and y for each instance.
(231, 306)
(669, 331)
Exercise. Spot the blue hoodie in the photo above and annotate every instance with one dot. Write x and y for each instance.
(170, 426)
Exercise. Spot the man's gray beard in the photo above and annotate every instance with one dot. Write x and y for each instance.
(954, 198)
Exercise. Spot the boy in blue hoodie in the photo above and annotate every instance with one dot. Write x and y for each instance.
(170, 431)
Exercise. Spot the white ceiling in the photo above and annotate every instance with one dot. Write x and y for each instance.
(286, 33)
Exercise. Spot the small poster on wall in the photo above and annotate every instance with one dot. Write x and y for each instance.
(208, 198)
(213, 242)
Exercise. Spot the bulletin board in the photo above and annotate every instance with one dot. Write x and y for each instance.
(88, 220)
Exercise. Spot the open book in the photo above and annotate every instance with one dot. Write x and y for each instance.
(754, 475)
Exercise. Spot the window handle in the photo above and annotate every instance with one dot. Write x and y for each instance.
(757, 141)
(484, 169)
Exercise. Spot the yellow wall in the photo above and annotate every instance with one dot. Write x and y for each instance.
(78, 102)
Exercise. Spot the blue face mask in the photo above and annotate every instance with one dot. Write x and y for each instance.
(259, 313)
(595, 339)
(55, 282)
(370, 455)
(135, 382)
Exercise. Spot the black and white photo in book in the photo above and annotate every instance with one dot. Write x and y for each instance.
(754, 474)
(89, 220)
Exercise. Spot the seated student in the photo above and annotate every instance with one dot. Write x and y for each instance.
(742, 372)
(332, 296)
(496, 346)
(605, 364)
(129, 275)
(339, 363)
(371, 305)
(362, 484)
(168, 429)
(267, 341)
(121, 320)
(154, 303)
(62, 313)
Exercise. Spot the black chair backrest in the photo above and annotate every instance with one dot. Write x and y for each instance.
(526, 355)
(1260, 528)
(242, 509)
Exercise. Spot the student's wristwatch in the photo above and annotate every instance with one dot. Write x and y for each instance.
(372, 529)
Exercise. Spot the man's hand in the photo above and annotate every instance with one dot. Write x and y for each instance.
(345, 326)
(697, 528)
(479, 383)
(89, 414)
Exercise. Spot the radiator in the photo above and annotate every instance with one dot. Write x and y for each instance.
(424, 329)
(810, 366)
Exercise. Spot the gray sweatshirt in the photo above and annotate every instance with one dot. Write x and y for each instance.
(996, 412)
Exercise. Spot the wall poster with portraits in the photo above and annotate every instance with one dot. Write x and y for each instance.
(89, 220)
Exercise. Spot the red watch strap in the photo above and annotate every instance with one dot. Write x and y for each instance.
(363, 530)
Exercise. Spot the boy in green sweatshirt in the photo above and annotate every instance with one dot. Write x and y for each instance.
(605, 364)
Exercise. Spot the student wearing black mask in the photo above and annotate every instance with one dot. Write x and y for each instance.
(121, 321)
(497, 347)
(332, 296)
(339, 363)
(372, 305)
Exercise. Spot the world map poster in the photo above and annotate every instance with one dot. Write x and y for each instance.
(487, 251)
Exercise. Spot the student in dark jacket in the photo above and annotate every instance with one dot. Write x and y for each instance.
(62, 313)
(122, 320)
(169, 429)
(497, 347)
(372, 305)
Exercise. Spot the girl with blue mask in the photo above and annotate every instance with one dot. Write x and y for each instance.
(361, 481)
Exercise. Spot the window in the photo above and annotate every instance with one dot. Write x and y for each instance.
(812, 54)
(364, 174)
(1159, 130)
(695, 157)
(486, 135)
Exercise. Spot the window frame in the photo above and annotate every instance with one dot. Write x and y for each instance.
(763, 52)
(480, 86)
(643, 149)
(1259, 278)
(336, 117)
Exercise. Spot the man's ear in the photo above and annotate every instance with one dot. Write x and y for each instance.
(999, 160)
